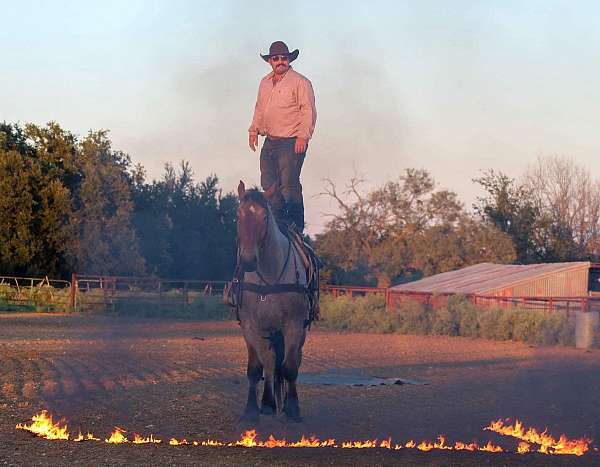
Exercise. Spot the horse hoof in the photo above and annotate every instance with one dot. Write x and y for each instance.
(267, 410)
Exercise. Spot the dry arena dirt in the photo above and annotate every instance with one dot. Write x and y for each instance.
(187, 379)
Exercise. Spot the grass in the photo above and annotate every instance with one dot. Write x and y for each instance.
(37, 298)
(204, 308)
(455, 316)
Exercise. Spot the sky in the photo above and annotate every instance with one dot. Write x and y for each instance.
(454, 87)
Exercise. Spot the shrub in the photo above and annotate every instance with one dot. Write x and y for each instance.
(444, 322)
(366, 314)
(455, 316)
(414, 318)
(202, 308)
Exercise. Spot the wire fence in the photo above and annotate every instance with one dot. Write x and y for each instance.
(90, 293)
(34, 294)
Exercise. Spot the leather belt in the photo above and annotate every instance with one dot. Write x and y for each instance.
(279, 138)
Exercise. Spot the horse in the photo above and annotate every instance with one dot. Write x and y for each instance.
(273, 311)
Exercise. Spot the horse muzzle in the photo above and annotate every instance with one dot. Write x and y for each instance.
(248, 265)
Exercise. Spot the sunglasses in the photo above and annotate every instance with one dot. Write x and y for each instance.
(280, 58)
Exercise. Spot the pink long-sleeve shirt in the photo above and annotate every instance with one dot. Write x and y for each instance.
(286, 109)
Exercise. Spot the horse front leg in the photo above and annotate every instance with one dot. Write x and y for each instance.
(254, 372)
(267, 355)
(291, 365)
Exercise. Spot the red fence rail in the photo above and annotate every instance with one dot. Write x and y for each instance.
(352, 291)
(84, 292)
(394, 298)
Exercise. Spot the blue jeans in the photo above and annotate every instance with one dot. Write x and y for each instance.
(280, 164)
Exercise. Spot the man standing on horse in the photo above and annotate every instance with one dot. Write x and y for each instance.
(285, 114)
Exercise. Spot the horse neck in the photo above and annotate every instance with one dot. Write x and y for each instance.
(273, 253)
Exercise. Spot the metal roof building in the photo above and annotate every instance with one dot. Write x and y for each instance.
(573, 279)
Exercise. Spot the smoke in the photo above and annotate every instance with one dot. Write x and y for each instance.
(361, 117)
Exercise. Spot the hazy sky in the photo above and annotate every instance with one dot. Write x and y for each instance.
(454, 87)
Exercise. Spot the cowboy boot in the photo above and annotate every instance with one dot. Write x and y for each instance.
(296, 215)
(282, 214)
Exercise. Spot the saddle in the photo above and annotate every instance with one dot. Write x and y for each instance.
(233, 291)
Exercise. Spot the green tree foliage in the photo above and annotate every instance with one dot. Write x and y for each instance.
(65, 205)
(75, 204)
(186, 229)
(35, 206)
(404, 230)
(552, 215)
(511, 208)
(107, 243)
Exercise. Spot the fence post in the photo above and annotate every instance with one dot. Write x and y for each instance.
(586, 326)
(185, 294)
(73, 293)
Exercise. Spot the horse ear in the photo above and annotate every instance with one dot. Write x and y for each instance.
(271, 191)
(241, 190)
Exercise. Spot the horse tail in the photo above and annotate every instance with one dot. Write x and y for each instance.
(277, 341)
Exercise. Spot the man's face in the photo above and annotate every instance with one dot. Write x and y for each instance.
(279, 63)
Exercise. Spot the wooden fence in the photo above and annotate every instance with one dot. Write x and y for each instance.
(84, 293)
(394, 298)
(87, 292)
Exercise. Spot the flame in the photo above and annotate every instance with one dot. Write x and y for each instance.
(87, 437)
(458, 446)
(312, 442)
(137, 439)
(424, 446)
(489, 447)
(386, 443)
(117, 436)
(43, 426)
(441, 443)
(548, 444)
(360, 444)
(523, 447)
(176, 442)
(248, 439)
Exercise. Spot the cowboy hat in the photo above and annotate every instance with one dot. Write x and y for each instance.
(279, 48)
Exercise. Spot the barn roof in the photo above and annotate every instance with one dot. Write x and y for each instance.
(485, 277)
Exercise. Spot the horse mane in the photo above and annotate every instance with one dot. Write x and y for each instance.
(257, 196)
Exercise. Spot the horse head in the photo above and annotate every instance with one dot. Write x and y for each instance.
(254, 220)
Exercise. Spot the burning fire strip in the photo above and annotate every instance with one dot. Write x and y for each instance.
(548, 444)
(43, 426)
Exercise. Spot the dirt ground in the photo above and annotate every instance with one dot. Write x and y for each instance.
(187, 379)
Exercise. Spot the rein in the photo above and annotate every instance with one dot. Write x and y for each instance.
(268, 288)
(287, 260)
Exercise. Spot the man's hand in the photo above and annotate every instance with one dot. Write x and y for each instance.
(253, 141)
(300, 146)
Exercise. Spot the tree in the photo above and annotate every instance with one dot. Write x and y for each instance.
(406, 229)
(570, 199)
(512, 209)
(65, 204)
(187, 229)
(34, 207)
(107, 242)
(552, 215)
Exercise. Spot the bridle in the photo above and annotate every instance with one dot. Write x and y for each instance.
(261, 244)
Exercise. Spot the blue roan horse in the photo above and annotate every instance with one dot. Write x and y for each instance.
(273, 309)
